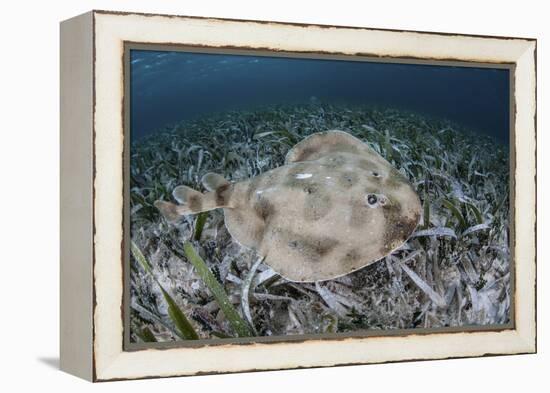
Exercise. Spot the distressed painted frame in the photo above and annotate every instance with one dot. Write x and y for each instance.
(92, 194)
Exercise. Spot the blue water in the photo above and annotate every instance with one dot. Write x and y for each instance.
(168, 87)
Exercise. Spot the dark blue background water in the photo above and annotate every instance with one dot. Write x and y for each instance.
(167, 87)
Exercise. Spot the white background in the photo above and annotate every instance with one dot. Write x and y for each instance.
(29, 195)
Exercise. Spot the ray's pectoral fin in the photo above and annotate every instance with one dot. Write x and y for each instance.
(192, 201)
(319, 144)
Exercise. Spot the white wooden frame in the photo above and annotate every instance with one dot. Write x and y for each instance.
(92, 142)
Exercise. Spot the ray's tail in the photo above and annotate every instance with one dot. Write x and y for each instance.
(191, 201)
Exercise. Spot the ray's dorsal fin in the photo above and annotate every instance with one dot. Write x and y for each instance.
(213, 181)
(192, 201)
(185, 195)
(321, 143)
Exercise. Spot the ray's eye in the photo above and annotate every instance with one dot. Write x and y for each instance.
(372, 199)
(376, 174)
(376, 200)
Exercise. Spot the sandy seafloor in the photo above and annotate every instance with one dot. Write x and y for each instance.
(454, 271)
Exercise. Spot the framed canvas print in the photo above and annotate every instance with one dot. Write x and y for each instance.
(245, 195)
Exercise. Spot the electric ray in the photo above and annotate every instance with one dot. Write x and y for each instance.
(334, 207)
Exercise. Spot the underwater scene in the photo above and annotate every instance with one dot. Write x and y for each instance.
(276, 196)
